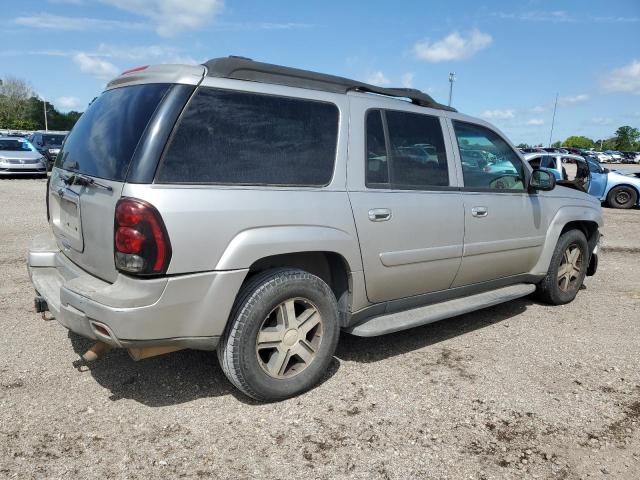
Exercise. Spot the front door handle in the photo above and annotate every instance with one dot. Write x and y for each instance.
(379, 214)
(479, 211)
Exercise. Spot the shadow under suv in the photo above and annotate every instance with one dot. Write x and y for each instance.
(261, 210)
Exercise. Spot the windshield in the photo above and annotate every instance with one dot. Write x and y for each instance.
(52, 140)
(104, 139)
(17, 145)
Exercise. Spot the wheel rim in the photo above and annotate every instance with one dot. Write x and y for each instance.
(289, 338)
(622, 197)
(570, 267)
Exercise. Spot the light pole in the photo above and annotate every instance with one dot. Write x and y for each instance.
(44, 102)
(452, 78)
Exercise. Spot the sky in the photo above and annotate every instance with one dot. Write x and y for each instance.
(510, 58)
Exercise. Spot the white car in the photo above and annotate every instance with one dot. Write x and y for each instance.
(602, 157)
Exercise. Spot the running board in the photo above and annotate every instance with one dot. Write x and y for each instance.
(394, 322)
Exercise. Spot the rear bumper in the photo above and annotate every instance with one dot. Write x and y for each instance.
(183, 310)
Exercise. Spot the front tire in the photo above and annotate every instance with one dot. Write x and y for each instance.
(567, 269)
(282, 334)
(622, 197)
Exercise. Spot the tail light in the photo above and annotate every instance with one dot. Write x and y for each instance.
(141, 242)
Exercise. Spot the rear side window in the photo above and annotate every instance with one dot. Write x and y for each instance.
(105, 137)
(414, 156)
(228, 137)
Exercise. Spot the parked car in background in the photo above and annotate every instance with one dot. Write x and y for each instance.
(601, 156)
(618, 189)
(630, 157)
(48, 143)
(615, 156)
(19, 157)
(556, 164)
(260, 210)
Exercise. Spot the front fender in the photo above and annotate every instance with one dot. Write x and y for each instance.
(564, 215)
(254, 244)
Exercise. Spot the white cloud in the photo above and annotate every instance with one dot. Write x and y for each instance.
(377, 78)
(68, 103)
(48, 21)
(625, 79)
(571, 100)
(498, 114)
(170, 17)
(560, 16)
(95, 66)
(453, 47)
(535, 121)
(601, 121)
(407, 80)
(539, 109)
(537, 16)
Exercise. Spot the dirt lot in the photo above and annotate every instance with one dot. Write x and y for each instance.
(520, 390)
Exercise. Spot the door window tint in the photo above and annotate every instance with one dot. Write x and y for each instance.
(415, 156)
(228, 137)
(488, 162)
(377, 167)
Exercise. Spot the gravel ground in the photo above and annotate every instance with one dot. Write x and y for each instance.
(520, 390)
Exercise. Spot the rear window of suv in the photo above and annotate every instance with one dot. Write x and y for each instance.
(104, 139)
(240, 138)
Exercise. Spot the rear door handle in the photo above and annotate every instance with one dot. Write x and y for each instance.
(479, 211)
(379, 214)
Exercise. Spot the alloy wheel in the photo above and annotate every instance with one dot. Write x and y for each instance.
(570, 267)
(289, 338)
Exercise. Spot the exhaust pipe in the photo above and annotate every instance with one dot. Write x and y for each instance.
(96, 351)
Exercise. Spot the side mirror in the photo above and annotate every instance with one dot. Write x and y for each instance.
(542, 180)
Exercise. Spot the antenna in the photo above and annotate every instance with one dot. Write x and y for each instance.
(553, 120)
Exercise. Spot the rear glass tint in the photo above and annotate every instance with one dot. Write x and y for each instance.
(103, 141)
(228, 137)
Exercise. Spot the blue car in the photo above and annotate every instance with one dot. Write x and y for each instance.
(566, 167)
(618, 189)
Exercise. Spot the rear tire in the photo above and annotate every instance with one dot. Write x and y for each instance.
(622, 197)
(567, 269)
(282, 334)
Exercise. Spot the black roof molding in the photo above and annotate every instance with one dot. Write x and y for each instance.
(241, 68)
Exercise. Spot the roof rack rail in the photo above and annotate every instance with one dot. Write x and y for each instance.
(242, 68)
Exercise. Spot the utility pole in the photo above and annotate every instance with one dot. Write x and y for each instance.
(553, 120)
(44, 102)
(452, 78)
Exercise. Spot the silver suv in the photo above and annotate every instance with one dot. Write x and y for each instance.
(261, 210)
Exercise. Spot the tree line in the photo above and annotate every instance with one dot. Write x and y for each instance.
(625, 139)
(22, 109)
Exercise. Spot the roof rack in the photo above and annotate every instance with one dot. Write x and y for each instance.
(241, 68)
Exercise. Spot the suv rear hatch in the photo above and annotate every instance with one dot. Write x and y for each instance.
(92, 167)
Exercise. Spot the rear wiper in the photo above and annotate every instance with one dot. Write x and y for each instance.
(84, 181)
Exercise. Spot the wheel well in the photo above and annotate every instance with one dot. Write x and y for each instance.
(590, 230)
(632, 187)
(329, 266)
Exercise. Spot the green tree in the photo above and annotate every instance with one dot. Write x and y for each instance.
(577, 141)
(626, 138)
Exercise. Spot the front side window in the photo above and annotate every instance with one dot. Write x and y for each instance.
(488, 162)
(415, 155)
(240, 138)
